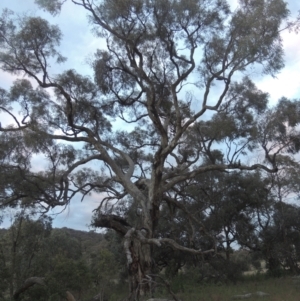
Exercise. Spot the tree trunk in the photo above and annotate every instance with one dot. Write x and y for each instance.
(139, 269)
(139, 259)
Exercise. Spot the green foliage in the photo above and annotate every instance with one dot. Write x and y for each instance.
(180, 177)
(68, 274)
(30, 248)
(103, 267)
(115, 247)
(33, 42)
(23, 249)
(53, 6)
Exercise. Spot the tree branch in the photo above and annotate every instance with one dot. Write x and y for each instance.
(29, 282)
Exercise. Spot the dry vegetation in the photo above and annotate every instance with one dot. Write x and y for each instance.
(280, 289)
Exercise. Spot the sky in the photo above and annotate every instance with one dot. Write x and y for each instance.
(79, 44)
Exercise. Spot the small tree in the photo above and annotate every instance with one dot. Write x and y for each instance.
(154, 50)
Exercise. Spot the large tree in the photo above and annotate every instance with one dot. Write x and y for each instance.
(272, 230)
(168, 73)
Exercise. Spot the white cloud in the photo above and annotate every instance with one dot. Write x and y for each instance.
(78, 215)
(287, 82)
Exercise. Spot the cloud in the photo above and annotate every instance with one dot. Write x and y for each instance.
(287, 82)
(78, 214)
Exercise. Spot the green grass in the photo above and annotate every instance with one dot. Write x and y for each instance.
(187, 289)
(280, 289)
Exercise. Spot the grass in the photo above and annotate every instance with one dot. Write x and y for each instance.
(280, 289)
(187, 289)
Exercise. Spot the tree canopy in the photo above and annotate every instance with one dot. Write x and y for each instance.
(175, 76)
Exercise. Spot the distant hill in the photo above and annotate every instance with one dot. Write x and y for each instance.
(81, 235)
(2, 231)
(90, 241)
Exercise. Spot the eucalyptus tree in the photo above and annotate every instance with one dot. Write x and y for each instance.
(271, 229)
(22, 250)
(234, 200)
(168, 72)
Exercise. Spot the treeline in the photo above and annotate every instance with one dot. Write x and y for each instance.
(41, 263)
(251, 211)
